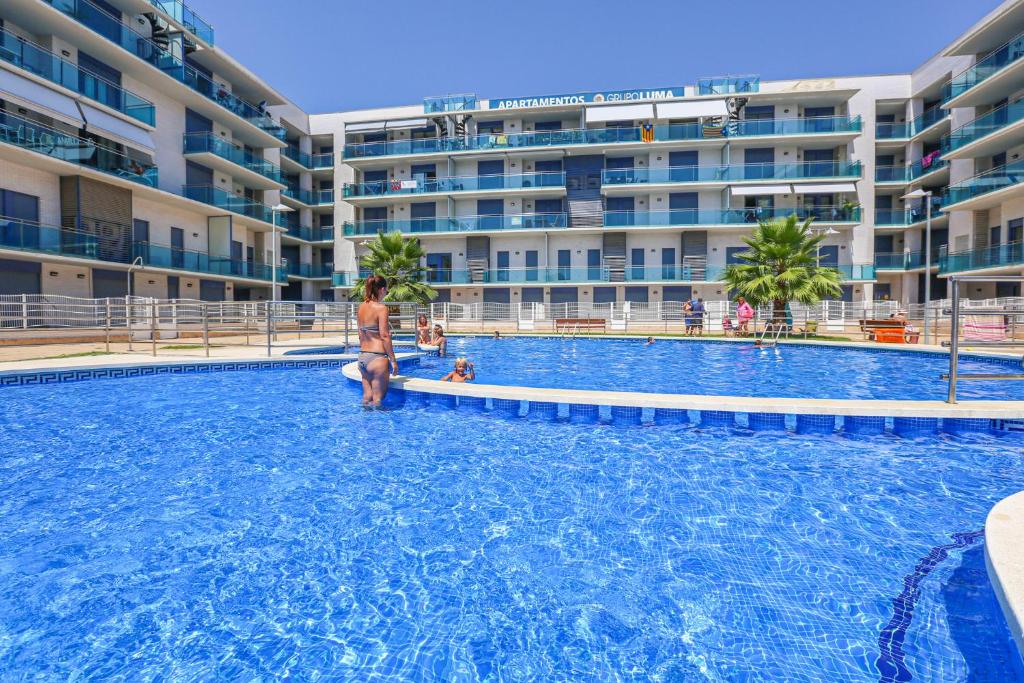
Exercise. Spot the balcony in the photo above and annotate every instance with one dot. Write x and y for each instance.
(56, 144)
(985, 190)
(387, 188)
(47, 239)
(184, 15)
(444, 224)
(45, 64)
(907, 216)
(98, 20)
(309, 197)
(214, 196)
(322, 161)
(811, 170)
(904, 131)
(996, 131)
(1004, 62)
(310, 270)
(908, 174)
(255, 171)
(301, 158)
(161, 256)
(909, 260)
(687, 217)
(820, 126)
(728, 85)
(995, 256)
(343, 279)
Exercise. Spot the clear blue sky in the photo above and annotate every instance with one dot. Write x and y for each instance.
(331, 55)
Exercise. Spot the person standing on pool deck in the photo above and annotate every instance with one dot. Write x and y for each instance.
(375, 349)
(744, 314)
(698, 316)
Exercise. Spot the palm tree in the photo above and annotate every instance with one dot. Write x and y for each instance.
(782, 266)
(398, 260)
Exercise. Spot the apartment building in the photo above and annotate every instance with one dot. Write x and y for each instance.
(135, 155)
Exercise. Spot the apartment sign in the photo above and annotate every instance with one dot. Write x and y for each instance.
(585, 98)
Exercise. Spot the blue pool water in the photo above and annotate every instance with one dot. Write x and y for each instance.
(717, 368)
(252, 525)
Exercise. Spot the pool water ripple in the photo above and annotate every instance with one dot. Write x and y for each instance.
(233, 526)
(718, 368)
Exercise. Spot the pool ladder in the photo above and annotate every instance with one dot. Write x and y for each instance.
(776, 330)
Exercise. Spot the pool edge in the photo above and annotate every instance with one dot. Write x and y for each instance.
(1004, 561)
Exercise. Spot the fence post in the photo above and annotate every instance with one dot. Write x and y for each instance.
(152, 325)
(206, 329)
(24, 311)
(245, 321)
(954, 341)
(106, 327)
(270, 322)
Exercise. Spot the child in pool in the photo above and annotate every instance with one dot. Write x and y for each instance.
(464, 372)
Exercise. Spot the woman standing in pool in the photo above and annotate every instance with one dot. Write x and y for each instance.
(439, 340)
(376, 352)
(422, 330)
(744, 314)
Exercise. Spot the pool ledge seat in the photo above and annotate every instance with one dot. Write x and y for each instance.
(1004, 559)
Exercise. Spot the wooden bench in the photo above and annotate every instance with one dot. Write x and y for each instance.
(871, 327)
(579, 324)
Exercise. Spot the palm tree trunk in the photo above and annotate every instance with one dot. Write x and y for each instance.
(778, 311)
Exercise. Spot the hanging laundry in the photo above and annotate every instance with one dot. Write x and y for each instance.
(647, 132)
(396, 185)
(502, 140)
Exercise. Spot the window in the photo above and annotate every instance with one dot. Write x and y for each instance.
(593, 264)
(548, 166)
(1014, 229)
(564, 261)
(531, 267)
(760, 163)
(98, 90)
(491, 212)
(819, 163)
(548, 125)
(427, 171)
(731, 255)
(502, 266)
(636, 261)
(683, 166)
(177, 248)
(548, 206)
(612, 163)
(16, 209)
(490, 127)
(173, 287)
(423, 133)
(668, 263)
(683, 208)
(490, 174)
(439, 267)
(140, 230)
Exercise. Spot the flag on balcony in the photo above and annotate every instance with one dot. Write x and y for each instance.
(647, 132)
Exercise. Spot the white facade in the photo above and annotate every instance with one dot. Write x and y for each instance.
(545, 199)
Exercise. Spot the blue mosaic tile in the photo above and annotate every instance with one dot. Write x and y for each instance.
(960, 425)
(583, 413)
(541, 410)
(717, 418)
(913, 426)
(506, 407)
(766, 421)
(815, 424)
(474, 403)
(417, 399)
(626, 415)
(671, 416)
(859, 424)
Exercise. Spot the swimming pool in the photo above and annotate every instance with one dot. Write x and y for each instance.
(718, 368)
(224, 525)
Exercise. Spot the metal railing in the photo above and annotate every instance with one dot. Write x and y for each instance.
(993, 325)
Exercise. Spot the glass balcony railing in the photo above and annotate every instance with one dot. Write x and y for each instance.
(208, 142)
(903, 131)
(325, 233)
(184, 15)
(162, 256)
(727, 85)
(36, 137)
(111, 27)
(731, 173)
(901, 217)
(310, 270)
(455, 184)
(982, 126)
(47, 239)
(617, 219)
(995, 62)
(630, 273)
(904, 260)
(43, 63)
(343, 279)
(995, 256)
(301, 158)
(984, 183)
(325, 160)
(906, 174)
(601, 136)
(309, 197)
(214, 196)
(524, 221)
(436, 105)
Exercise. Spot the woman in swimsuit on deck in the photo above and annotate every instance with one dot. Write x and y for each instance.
(376, 352)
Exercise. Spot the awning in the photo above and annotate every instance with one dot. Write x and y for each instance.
(747, 190)
(620, 112)
(31, 95)
(692, 110)
(380, 126)
(834, 188)
(119, 130)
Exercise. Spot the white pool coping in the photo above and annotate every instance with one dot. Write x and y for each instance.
(1004, 559)
(996, 410)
